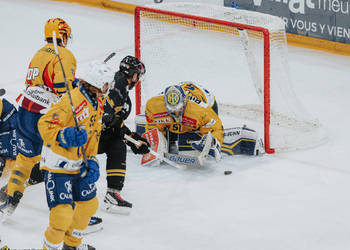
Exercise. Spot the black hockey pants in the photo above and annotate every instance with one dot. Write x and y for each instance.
(115, 149)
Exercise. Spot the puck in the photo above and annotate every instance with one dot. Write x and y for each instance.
(227, 172)
(2, 92)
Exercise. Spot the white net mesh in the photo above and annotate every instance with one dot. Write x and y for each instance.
(230, 63)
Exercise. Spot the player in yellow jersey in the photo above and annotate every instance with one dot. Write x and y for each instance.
(44, 85)
(175, 112)
(62, 159)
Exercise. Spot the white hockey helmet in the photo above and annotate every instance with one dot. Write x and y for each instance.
(99, 73)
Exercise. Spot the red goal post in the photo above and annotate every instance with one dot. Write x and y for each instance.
(170, 17)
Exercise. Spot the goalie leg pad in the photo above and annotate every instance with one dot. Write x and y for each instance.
(208, 145)
(239, 141)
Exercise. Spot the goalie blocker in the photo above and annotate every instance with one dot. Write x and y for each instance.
(237, 141)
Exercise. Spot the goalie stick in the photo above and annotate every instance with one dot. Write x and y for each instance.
(70, 100)
(137, 143)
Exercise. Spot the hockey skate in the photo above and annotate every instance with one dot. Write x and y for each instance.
(80, 247)
(95, 225)
(9, 205)
(114, 203)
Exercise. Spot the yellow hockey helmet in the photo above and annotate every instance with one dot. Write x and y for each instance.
(59, 26)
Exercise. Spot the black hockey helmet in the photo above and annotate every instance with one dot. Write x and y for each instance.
(131, 65)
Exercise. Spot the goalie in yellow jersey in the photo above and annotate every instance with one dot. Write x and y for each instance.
(183, 120)
(186, 108)
(67, 178)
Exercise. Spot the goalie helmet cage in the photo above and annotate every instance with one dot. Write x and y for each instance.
(243, 54)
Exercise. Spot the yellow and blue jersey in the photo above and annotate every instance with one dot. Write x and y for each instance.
(45, 79)
(89, 115)
(195, 118)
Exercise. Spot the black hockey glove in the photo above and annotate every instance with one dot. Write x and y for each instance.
(124, 131)
(2, 165)
(143, 148)
(111, 120)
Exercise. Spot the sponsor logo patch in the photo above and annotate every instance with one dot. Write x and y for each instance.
(83, 115)
(187, 121)
(164, 120)
(80, 107)
(160, 115)
(182, 159)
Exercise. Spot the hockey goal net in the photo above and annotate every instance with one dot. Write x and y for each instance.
(240, 56)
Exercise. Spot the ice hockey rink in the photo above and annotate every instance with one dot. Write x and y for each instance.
(292, 201)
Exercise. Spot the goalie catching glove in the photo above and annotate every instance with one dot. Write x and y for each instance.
(215, 147)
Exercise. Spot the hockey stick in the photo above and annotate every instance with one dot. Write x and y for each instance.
(70, 100)
(161, 157)
(2, 92)
(109, 57)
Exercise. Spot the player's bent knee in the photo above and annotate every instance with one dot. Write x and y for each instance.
(87, 208)
(61, 217)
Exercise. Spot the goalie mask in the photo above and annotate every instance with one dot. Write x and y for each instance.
(175, 102)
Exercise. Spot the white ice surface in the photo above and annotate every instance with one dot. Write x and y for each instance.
(290, 201)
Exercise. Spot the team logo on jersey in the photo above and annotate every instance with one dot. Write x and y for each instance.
(54, 119)
(83, 115)
(80, 107)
